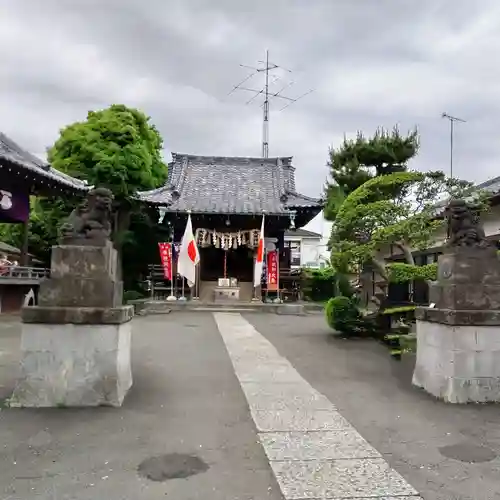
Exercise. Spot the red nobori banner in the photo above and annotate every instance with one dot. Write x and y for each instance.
(166, 259)
(272, 271)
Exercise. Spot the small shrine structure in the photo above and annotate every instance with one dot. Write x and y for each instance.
(227, 197)
(23, 175)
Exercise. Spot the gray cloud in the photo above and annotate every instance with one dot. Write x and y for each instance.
(372, 64)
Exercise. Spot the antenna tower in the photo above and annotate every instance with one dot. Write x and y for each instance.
(453, 120)
(266, 68)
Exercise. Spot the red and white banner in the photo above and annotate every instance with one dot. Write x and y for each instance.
(188, 256)
(259, 259)
(166, 259)
(272, 271)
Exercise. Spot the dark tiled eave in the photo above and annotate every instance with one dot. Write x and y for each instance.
(230, 185)
(12, 156)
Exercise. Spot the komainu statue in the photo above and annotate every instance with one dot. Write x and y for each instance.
(464, 227)
(91, 221)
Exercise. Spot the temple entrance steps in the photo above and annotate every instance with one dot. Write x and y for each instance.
(207, 291)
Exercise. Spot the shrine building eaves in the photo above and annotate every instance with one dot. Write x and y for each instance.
(32, 170)
(230, 185)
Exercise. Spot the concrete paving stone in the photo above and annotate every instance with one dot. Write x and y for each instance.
(316, 445)
(340, 479)
(275, 372)
(252, 353)
(301, 419)
(282, 396)
(411, 497)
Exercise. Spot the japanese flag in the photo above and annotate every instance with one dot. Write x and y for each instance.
(259, 261)
(188, 255)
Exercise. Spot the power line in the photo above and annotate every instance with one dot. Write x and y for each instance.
(452, 120)
(266, 68)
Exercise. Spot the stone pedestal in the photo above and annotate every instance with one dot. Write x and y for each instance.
(226, 294)
(458, 340)
(76, 342)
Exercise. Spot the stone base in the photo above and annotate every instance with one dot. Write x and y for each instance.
(458, 363)
(222, 293)
(74, 365)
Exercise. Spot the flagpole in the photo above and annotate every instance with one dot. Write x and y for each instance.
(182, 297)
(260, 255)
(172, 297)
(254, 288)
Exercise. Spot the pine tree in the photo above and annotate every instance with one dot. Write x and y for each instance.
(359, 160)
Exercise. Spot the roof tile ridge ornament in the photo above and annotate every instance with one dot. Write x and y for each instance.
(305, 197)
(281, 181)
(177, 188)
(288, 172)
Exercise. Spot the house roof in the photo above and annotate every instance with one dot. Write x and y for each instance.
(12, 154)
(491, 185)
(302, 233)
(237, 185)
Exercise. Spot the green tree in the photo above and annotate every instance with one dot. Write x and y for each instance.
(45, 217)
(359, 160)
(117, 148)
(394, 209)
(120, 149)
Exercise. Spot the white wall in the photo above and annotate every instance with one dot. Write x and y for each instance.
(311, 251)
(320, 225)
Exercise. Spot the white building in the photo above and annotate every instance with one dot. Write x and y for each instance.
(307, 249)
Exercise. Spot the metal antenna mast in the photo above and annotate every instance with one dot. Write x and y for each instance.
(452, 119)
(266, 69)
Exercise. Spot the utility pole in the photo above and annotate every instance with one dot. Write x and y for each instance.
(452, 120)
(265, 125)
(266, 69)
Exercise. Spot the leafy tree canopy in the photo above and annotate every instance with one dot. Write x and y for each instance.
(373, 217)
(117, 148)
(359, 160)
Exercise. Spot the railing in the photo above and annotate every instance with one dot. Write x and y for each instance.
(160, 288)
(22, 273)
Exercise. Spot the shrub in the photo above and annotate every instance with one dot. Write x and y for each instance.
(344, 286)
(319, 284)
(400, 272)
(408, 343)
(132, 295)
(343, 316)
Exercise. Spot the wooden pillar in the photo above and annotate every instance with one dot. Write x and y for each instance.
(24, 257)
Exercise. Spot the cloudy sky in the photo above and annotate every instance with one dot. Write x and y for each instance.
(371, 63)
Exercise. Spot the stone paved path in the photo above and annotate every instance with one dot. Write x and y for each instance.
(313, 451)
(185, 400)
(447, 452)
(274, 407)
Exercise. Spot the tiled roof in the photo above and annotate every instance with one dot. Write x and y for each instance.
(12, 153)
(214, 184)
(301, 233)
(491, 185)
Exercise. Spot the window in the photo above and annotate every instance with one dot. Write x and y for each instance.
(294, 247)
